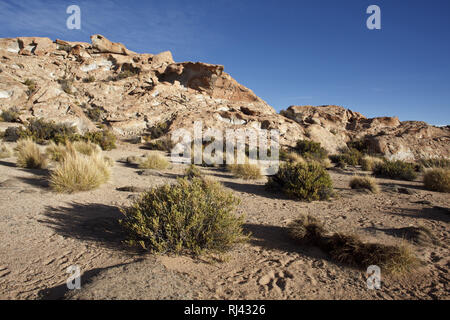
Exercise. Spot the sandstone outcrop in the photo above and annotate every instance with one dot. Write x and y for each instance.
(64, 81)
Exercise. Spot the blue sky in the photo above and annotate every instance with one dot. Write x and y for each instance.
(301, 52)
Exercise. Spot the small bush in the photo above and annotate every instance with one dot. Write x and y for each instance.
(154, 161)
(368, 162)
(395, 170)
(189, 216)
(435, 163)
(79, 172)
(437, 179)
(350, 157)
(32, 86)
(360, 145)
(104, 138)
(311, 150)
(125, 74)
(10, 115)
(302, 181)
(163, 144)
(365, 182)
(95, 113)
(66, 85)
(29, 155)
(245, 171)
(12, 134)
(5, 151)
(89, 79)
(193, 172)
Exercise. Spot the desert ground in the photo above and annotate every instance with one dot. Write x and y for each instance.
(42, 233)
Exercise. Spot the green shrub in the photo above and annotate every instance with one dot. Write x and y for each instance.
(29, 155)
(395, 170)
(126, 74)
(95, 113)
(89, 79)
(193, 172)
(32, 86)
(437, 179)
(154, 161)
(163, 144)
(434, 163)
(364, 182)
(302, 181)
(190, 216)
(104, 138)
(159, 130)
(350, 157)
(360, 145)
(10, 115)
(12, 134)
(310, 150)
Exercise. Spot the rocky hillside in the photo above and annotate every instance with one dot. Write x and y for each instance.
(87, 83)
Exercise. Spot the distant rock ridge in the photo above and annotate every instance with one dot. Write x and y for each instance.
(136, 92)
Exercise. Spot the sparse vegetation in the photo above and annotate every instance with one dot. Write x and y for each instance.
(365, 182)
(126, 74)
(434, 163)
(368, 162)
(10, 115)
(395, 170)
(66, 85)
(246, 171)
(154, 161)
(32, 86)
(350, 249)
(104, 138)
(163, 144)
(191, 216)
(89, 79)
(302, 181)
(310, 150)
(291, 157)
(86, 147)
(78, 172)
(350, 157)
(95, 113)
(29, 155)
(193, 172)
(5, 151)
(437, 179)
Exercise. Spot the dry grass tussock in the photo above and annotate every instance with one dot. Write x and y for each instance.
(29, 155)
(154, 161)
(365, 182)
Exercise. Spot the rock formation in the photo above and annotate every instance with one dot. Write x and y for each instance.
(136, 92)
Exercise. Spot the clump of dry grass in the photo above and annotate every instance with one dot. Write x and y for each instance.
(154, 161)
(5, 151)
(368, 162)
(437, 179)
(79, 172)
(350, 249)
(293, 157)
(193, 172)
(29, 155)
(365, 182)
(307, 230)
(88, 148)
(57, 152)
(246, 171)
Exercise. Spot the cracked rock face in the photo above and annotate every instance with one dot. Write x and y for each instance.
(139, 91)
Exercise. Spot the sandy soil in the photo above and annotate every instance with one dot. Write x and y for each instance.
(42, 233)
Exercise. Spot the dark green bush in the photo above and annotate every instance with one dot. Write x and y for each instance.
(10, 115)
(163, 144)
(360, 145)
(395, 170)
(302, 181)
(190, 216)
(95, 113)
(104, 138)
(310, 150)
(351, 157)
